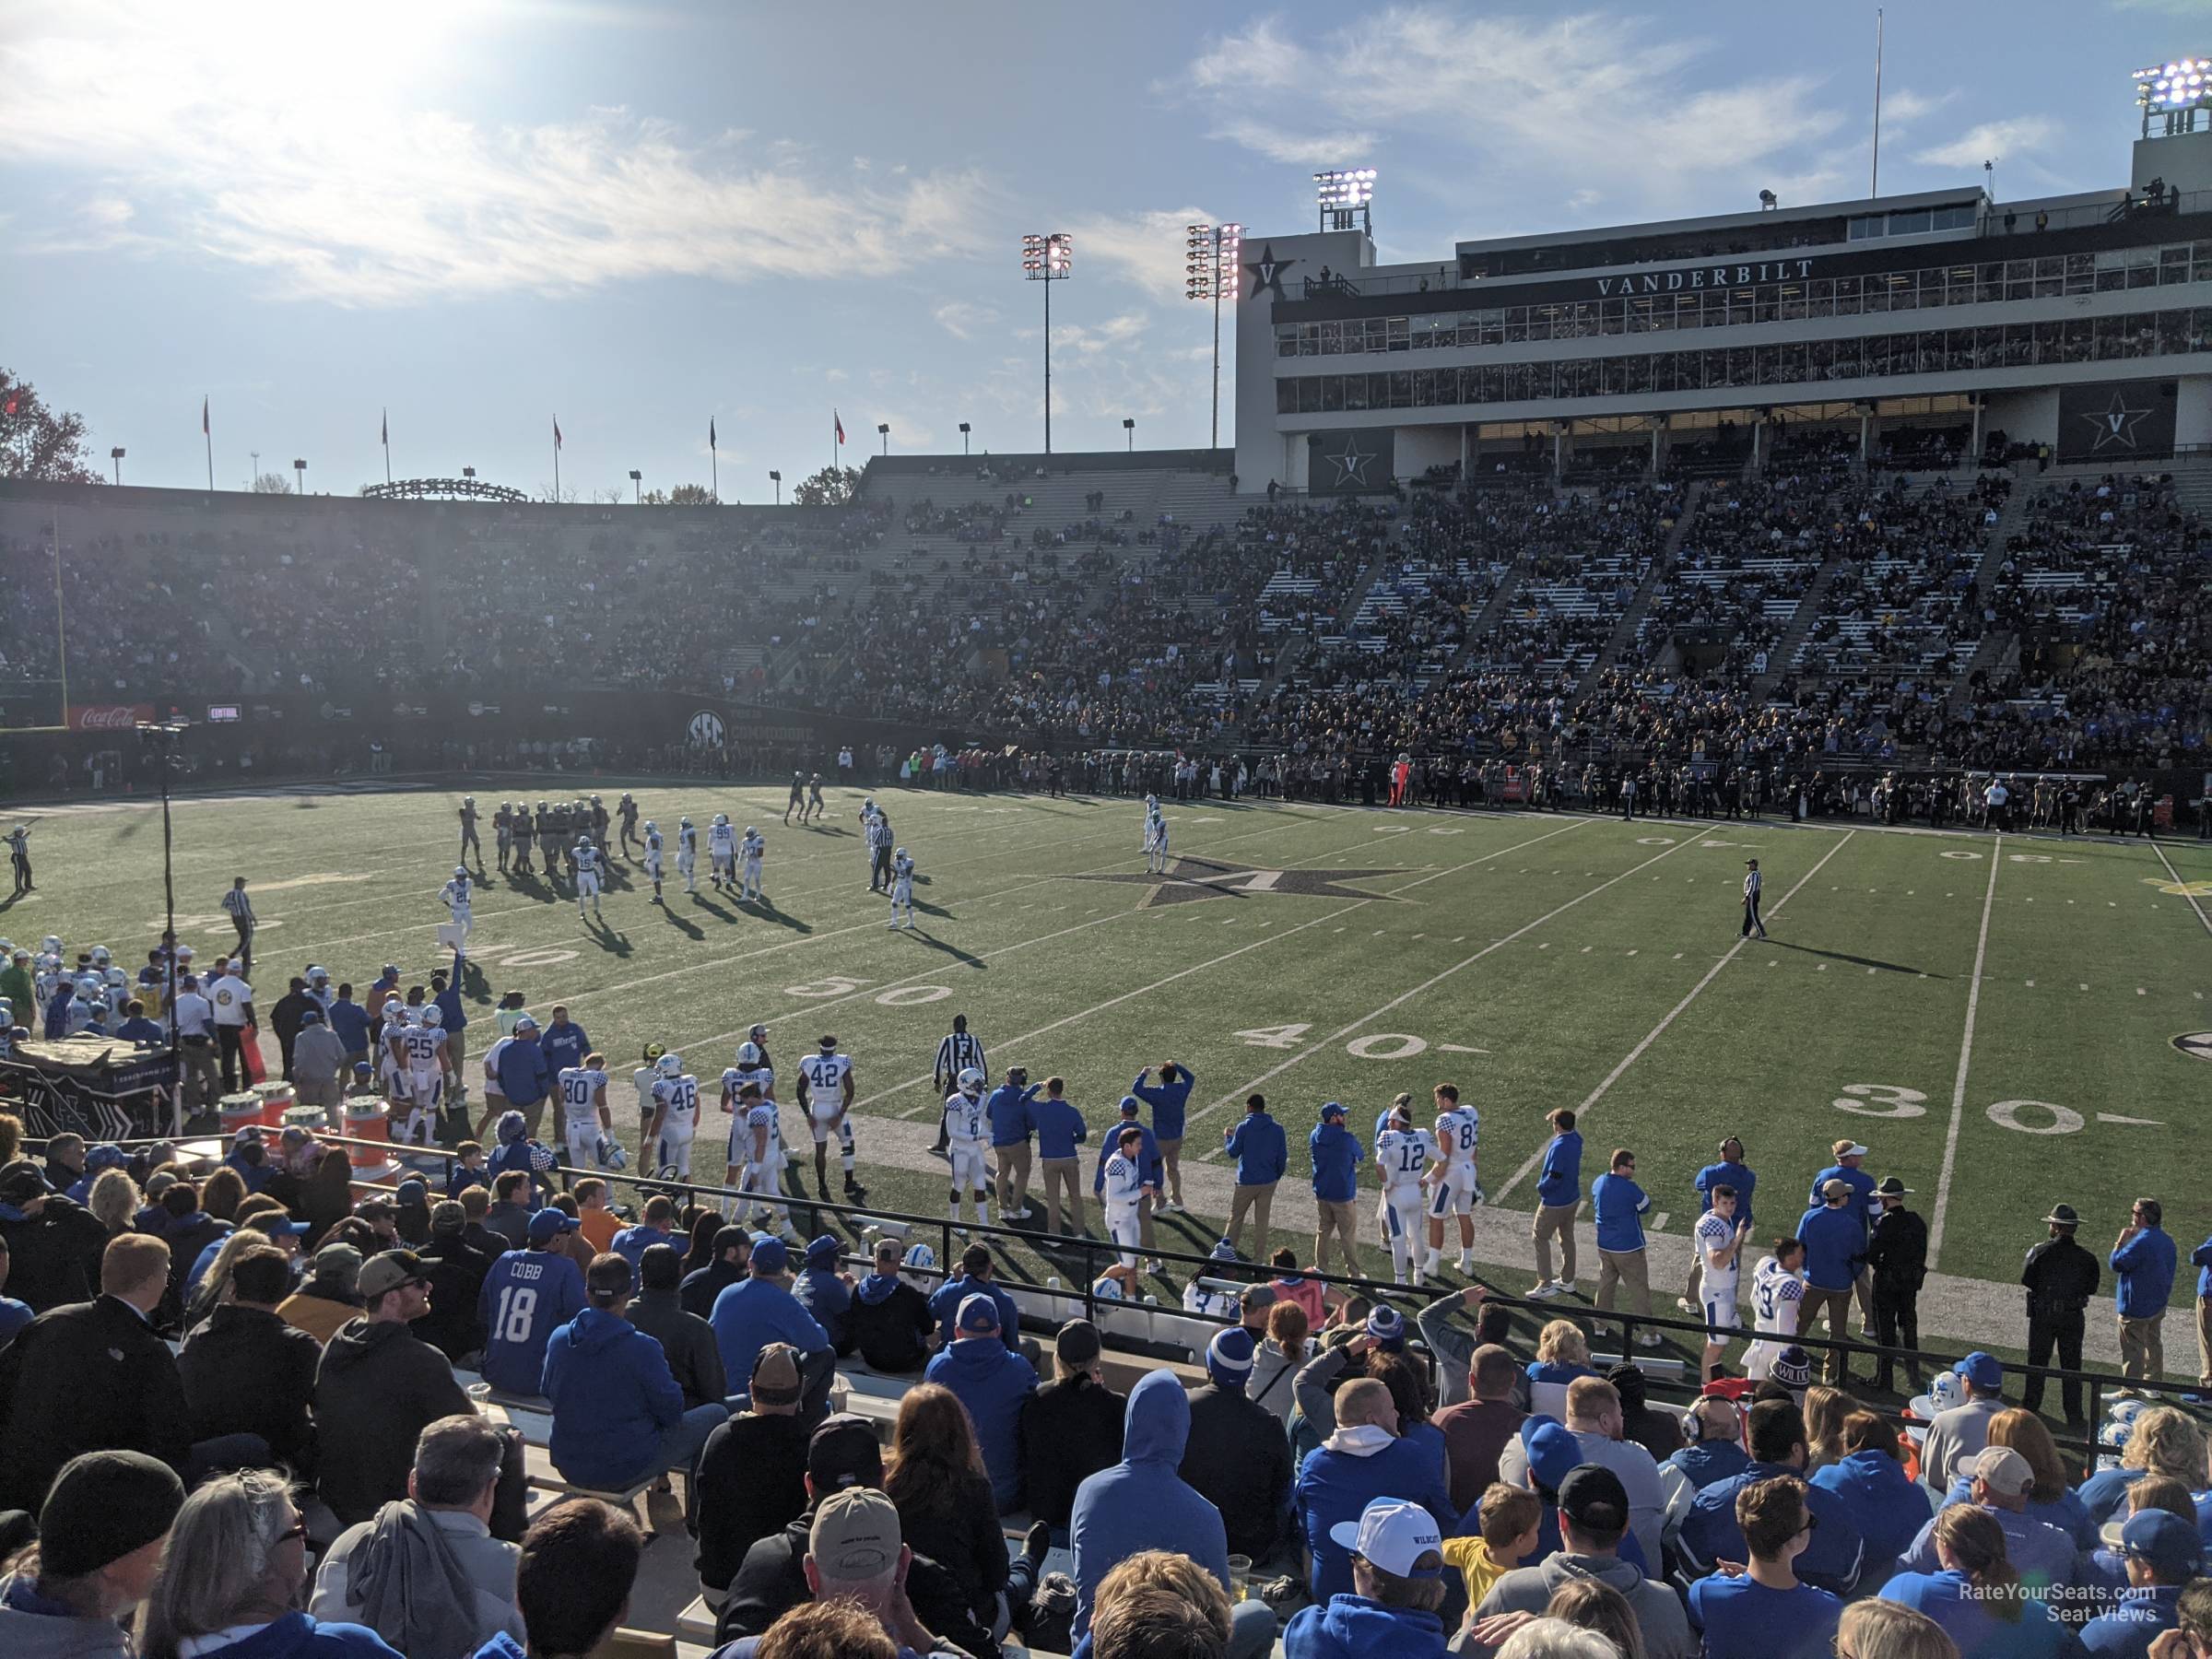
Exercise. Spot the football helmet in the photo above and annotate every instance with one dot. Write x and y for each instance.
(102, 956)
(434, 1015)
(920, 1257)
(669, 1065)
(970, 1079)
(609, 1153)
(651, 828)
(750, 832)
(460, 872)
(721, 820)
(653, 1051)
(748, 1055)
(902, 852)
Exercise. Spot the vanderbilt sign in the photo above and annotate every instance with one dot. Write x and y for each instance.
(1706, 277)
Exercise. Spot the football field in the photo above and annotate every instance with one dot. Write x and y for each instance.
(2005, 1022)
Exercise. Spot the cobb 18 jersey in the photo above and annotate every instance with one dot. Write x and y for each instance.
(1402, 1154)
(580, 1091)
(964, 1119)
(825, 1076)
(1459, 1130)
(679, 1096)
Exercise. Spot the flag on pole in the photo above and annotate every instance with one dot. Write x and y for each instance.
(385, 429)
(838, 423)
(555, 432)
(204, 430)
(710, 431)
(10, 406)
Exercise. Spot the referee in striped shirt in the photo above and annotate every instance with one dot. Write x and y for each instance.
(241, 909)
(956, 1054)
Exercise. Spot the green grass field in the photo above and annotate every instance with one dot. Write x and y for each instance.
(1337, 953)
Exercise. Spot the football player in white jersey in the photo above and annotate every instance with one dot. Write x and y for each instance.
(391, 1048)
(583, 1115)
(902, 889)
(1155, 841)
(1719, 1239)
(643, 1080)
(424, 1046)
(826, 1090)
(686, 855)
(722, 853)
(1777, 1295)
(652, 859)
(1124, 1188)
(674, 1117)
(457, 895)
(1403, 1154)
(751, 1067)
(750, 851)
(754, 1158)
(1453, 1189)
(967, 1138)
(585, 857)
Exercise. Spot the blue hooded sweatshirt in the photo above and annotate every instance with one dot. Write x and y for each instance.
(1346, 1472)
(1336, 1153)
(1009, 1111)
(751, 1313)
(1260, 1149)
(1060, 1127)
(1351, 1627)
(1167, 1098)
(613, 1398)
(1705, 1462)
(993, 1381)
(528, 1296)
(1141, 1502)
(945, 1303)
(1833, 1561)
(296, 1636)
(1889, 1507)
(2065, 1511)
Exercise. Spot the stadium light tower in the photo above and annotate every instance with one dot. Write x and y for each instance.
(777, 479)
(2177, 91)
(883, 430)
(637, 487)
(300, 468)
(963, 437)
(1343, 194)
(115, 456)
(1048, 258)
(1213, 254)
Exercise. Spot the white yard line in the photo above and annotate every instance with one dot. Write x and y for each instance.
(1329, 1042)
(1659, 1030)
(2183, 884)
(1966, 1056)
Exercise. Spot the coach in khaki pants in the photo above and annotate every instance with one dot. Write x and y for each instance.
(1559, 1195)
(2201, 1259)
(1263, 1153)
(1336, 1153)
(1617, 1205)
(1835, 1247)
(2143, 1262)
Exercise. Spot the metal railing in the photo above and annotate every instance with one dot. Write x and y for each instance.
(1093, 1253)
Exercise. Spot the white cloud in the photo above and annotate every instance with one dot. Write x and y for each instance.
(301, 146)
(964, 319)
(2019, 136)
(1591, 109)
(1146, 249)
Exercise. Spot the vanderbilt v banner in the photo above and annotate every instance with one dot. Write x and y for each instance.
(1358, 462)
(2115, 421)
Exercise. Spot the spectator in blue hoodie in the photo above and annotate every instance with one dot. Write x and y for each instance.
(1060, 1130)
(1263, 1154)
(1168, 1098)
(527, 1295)
(824, 1291)
(618, 1416)
(1336, 1155)
(98, 1162)
(1149, 1167)
(1764, 1612)
(2143, 1262)
(992, 1382)
(1887, 1506)
(975, 1278)
(1011, 1126)
(759, 1310)
(1396, 1552)
(1365, 1458)
(1835, 1234)
(1142, 1503)
(253, 1168)
(1716, 1449)
(1709, 1533)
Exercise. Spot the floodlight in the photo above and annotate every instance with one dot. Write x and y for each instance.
(1767, 199)
(1048, 257)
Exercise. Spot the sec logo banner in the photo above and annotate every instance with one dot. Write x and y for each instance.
(705, 729)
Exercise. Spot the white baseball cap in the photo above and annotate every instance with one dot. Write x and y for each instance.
(1392, 1535)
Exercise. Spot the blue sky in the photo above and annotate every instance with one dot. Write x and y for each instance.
(481, 213)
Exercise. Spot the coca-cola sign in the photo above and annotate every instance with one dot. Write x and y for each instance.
(108, 717)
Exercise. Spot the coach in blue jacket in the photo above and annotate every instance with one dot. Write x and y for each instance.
(1835, 1243)
(1559, 1195)
(1060, 1130)
(1336, 1152)
(1263, 1153)
(2143, 1262)
(1011, 1126)
(618, 1416)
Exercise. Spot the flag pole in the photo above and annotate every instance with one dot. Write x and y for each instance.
(207, 432)
(714, 461)
(384, 428)
(556, 460)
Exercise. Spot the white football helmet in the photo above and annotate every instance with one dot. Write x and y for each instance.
(434, 1015)
(116, 979)
(902, 852)
(1107, 1289)
(468, 800)
(650, 827)
(751, 831)
(684, 823)
(609, 1153)
(721, 820)
(460, 872)
(51, 945)
(748, 1055)
(970, 1079)
(1946, 1390)
(102, 956)
(669, 1065)
(869, 804)
(184, 953)
(920, 1257)
(7, 1013)
(1151, 800)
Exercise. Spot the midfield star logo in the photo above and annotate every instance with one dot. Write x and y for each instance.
(1190, 879)
(1268, 272)
(2115, 424)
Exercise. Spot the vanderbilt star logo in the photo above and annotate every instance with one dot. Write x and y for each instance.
(2115, 425)
(1352, 463)
(1190, 880)
(1268, 272)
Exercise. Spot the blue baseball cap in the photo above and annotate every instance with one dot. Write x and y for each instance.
(1553, 1451)
(770, 1252)
(821, 1251)
(548, 1224)
(978, 1315)
(2169, 1546)
(1982, 1369)
(1332, 1109)
(1131, 1105)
